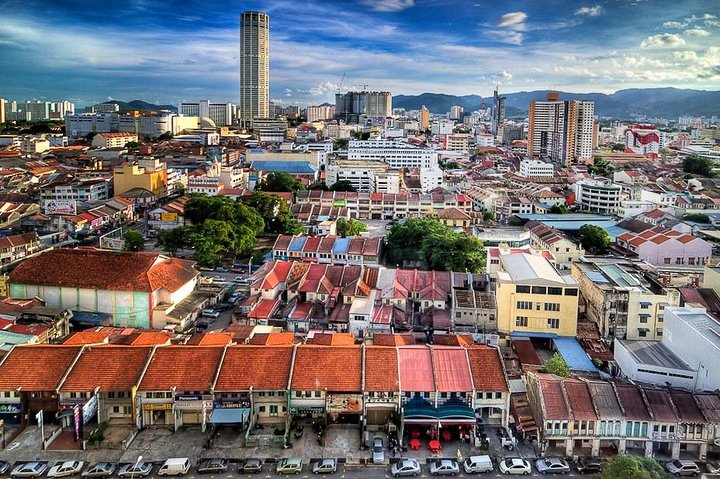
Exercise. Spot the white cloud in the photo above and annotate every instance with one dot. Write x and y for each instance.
(675, 25)
(662, 40)
(505, 36)
(323, 88)
(589, 11)
(389, 5)
(504, 75)
(512, 18)
(688, 56)
(697, 32)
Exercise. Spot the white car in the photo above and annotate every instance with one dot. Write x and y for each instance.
(67, 468)
(210, 313)
(515, 466)
(29, 469)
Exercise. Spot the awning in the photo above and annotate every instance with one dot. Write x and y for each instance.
(532, 334)
(229, 416)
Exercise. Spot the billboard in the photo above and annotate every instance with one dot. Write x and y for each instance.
(344, 403)
(169, 217)
(60, 207)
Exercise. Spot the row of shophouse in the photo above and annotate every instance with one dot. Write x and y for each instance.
(249, 385)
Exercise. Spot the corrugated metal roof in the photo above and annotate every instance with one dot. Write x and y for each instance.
(573, 354)
(297, 167)
(452, 372)
(416, 372)
(341, 245)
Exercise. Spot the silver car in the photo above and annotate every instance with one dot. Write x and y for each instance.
(552, 465)
(682, 468)
(444, 467)
(140, 469)
(378, 451)
(325, 466)
(4, 467)
(29, 469)
(65, 469)
(101, 469)
(405, 467)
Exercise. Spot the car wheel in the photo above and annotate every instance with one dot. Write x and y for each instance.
(414, 474)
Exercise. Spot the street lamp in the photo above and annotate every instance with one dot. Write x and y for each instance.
(132, 472)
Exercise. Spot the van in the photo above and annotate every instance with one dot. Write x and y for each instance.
(178, 466)
(210, 313)
(475, 464)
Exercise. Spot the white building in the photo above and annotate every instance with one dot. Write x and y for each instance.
(220, 113)
(442, 127)
(644, 139)
(598, 196)
(322, 112)
(113, 140)
(536, 168)
(208, 185)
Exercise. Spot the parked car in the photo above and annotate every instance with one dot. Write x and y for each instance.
(682, 468)
(241, 280)
(201, 326)
(177, 466)
(405, 467)
(139, 469)
(713, 467)
(291, 465)
(29, 469)
(324, 466)
(67, 468)
(251, 466)
(444, 467)
(552, 465)
(211, 313)
(588, 466)
(212, 466)
(101, 469)
(222, 269)
(516, 466)
(4, 467)
(475, 464)
(238, 268)
(378, 451)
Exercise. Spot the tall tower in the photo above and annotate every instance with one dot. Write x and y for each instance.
(498, 112)
(254, 66)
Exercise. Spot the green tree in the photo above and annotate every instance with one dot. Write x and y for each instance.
(133, 241)
(172, 240)
(318, 185)
(340, 144)
(488, 216)
(132, 144)
(437, 246)
(278, 181)
(165, 136)
(698, 165)
(342, 185)
(600, 167)
(556, 365)
(274, 211)
(594, 239)
(618, 147)
(559, 209)
(350, 227)
(697, 217)
(633, 467)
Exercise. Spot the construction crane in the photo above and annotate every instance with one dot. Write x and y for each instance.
(339, 87)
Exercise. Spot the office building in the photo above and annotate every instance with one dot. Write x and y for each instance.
(599, 196)
(254, 66)
(456, 112)
(561, 130)
(3, 105)
(498, 112)
(220, 113)
(322, 112)
(535, 169)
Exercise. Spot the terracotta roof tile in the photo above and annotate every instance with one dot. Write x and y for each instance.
(333, 339)
(387, 339)
(451, 369)
(87, 337)
(186, 368)
(265, 368)
(553, 399)
(416, 372)
(273, 339)
(111, 368)
(381, 369)
(580, 400)
(211, 338)
(335, 368)
(36, 367)
(487, 368)
(687, 408)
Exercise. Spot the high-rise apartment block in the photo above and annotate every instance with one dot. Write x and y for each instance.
(3, 104)
(424, 118)
(254, 66)
(220, 113)
(321, 112)
(456, 112)
(561, 130)
(352, 105)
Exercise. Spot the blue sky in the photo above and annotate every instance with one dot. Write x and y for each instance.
(169, 51)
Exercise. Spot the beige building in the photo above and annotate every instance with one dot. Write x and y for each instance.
(113, 140)
(624, 301)
(533, 297)
(150, 175)
(549, 239)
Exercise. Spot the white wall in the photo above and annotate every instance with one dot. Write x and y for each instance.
(692, 347)
(629, 367)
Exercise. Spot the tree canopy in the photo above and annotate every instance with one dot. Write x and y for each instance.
(633, 467)
(274, 211)
(342, 185)
(697, 218)
(698, 165)
(133, 241)
(350, 227)
(556, 365)
(594, 239)
(277, 181)
(559, 209)
(437, 246)
(600, 167)
(174, 239)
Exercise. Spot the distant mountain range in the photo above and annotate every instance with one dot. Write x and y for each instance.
(623, 104)
(139, 105)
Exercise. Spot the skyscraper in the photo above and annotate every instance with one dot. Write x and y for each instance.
(498, 112)
(254, 66)
(561, 130)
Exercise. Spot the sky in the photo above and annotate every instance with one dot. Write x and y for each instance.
(171, 51)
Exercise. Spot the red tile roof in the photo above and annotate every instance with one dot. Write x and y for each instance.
(451, 369)
(333, 339)
(381, 369)
(387, 339)
(265, 368)
(632, 402)
(211, 338)
(273, 339)
(661, 405)
(487, 369)
(553, 398)
(87, 337)
(416, 373)
(335, 368)
(687, 408)
(100, 269)
(186, 368)
(580, 400)
(111, 368)
(36, 367)
(526, 351)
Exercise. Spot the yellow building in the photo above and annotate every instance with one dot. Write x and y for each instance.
(149, 175)
(424, 118)
(533, 297)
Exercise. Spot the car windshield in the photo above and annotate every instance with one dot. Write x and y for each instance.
(678, 464)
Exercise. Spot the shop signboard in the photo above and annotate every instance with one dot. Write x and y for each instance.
(344, 403)
(10, 408)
